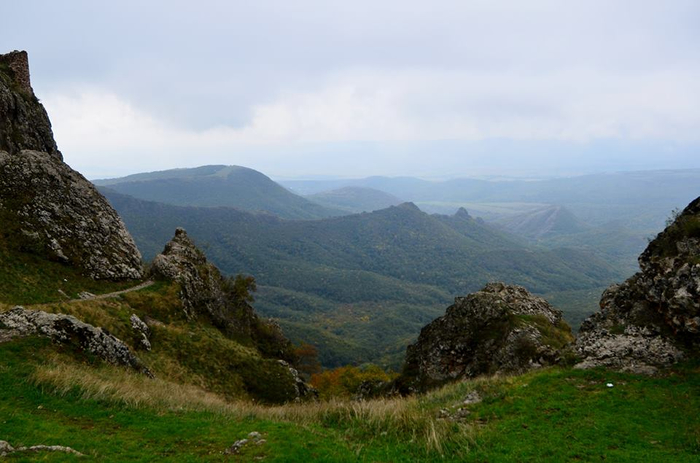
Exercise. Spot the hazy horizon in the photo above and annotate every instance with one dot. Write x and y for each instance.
(427, 89)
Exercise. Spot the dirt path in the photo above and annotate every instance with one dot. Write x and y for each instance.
(143, 285)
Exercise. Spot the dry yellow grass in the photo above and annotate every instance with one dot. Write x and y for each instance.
(405, 416)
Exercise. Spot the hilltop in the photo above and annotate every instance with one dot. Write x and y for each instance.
(213, 186)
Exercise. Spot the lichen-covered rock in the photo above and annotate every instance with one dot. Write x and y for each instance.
(302, 390)
(651, 320)
(500, 329)
(142, 332)
(66, 329)
(48, 208)
(201, 283)
(45, 206)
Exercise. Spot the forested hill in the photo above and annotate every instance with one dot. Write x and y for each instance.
(213, 186)
(361, 286)
(355, 199)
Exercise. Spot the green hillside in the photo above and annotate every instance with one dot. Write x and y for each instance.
(213, 186)
(355, 199)
(362, 286)
(59, 398)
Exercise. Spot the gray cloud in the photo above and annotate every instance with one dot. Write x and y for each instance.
(224, 79)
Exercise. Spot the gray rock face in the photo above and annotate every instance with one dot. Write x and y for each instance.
(200, 282)
(24, 124)
(142, 332)
(50, 209)
(496, 330)
(66, 329)
(45, 206)
(651, 320)
(302, 390)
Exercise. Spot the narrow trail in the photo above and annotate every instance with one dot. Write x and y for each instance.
(143, 285)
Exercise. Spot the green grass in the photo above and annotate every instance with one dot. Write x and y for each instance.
(26, 278)
(548, 415)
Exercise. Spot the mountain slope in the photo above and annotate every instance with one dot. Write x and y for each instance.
(355, 199)
(542, 223)
(372, 279)
(213, 186)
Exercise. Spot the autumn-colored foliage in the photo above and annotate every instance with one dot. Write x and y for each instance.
(307, 359)
(345, 381)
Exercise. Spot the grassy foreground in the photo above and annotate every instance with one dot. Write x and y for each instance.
(59, 398)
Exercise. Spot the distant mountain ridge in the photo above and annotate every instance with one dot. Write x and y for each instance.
(218, 185)
(355, 199)
(544, 222)
(361, 286)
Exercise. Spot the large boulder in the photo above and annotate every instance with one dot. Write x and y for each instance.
(66, 329)
(500, 329)
(45, 206)
(651, 320)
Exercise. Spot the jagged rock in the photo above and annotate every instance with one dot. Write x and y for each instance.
(303, 390)
(48, 208)
(201, 283)
(24, 124)
(500, 329)
(142, 332)
(652, 320)
(205, 292)
(45, 206)
(66, 329)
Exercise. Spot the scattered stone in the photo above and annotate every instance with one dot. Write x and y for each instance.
(66, 329)
(86, 296)
(236, 447)
(6, 449)
(254, 435)
(143, 333)
(472, 398)
(500, 329)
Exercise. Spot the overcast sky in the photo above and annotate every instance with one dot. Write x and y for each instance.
(356, 88)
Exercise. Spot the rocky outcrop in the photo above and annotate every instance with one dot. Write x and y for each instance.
(204, 292)
(49, 209)
(24, 124)
(142, 333)
(500, 329)
(66, 329)
(45, 206)
(652, 320)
